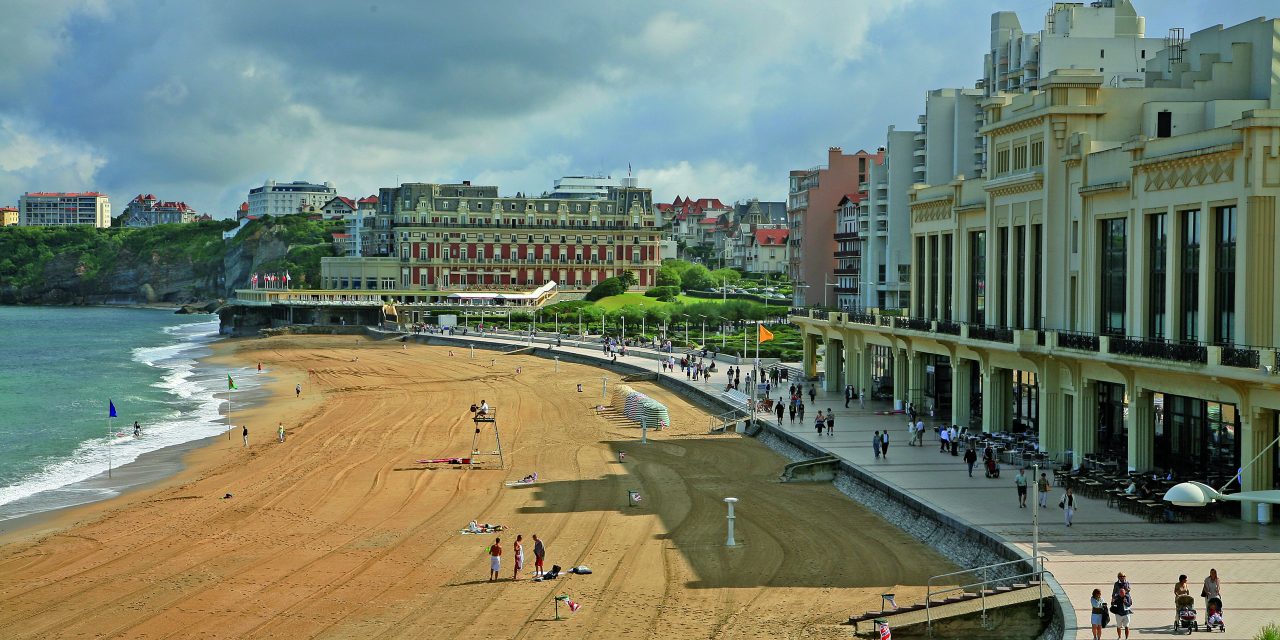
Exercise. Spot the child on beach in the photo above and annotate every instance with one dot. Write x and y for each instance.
(280, 432)
(495, 559)
(297, 390)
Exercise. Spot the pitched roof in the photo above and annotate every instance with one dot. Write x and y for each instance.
(369, 200)
(773, 237)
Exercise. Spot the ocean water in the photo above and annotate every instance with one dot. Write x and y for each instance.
(62, 365)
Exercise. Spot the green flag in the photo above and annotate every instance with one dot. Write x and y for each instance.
(231, 384)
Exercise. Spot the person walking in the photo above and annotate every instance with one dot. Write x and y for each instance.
(831, 422)
(813, 394)
(943, 436)
(920, 433)
(495, 559)
(245, 435)
(1121, 583)
(884, 444)
(970, 457)
(1122, 606)
(1098, 609)
(1068, 505)
(280, 432)
(517, 552)
(911, 411)
(779, 408)
(1212, 588)
(297, 390)
(848, 395)
(875, 444)
(1043, 487)
(791, 409)
(820, 422)
(539, 554)
(862, 399)
(1020, 481)
(799, 410)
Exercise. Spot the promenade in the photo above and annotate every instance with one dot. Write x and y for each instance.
(1101, 542)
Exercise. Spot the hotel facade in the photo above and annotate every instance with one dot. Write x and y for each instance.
(447, 238)
(1110, 280)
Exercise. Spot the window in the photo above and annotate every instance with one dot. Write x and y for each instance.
(1002, 284)
(948, 286)
(1020, 290)
(931, 312)
(1002, 161)
(1102, 53)
(1037, 281)
(978, 266)
(1037, 153)
(1190, 276)
(1224, 276)
(1164, 124)
(1112, 290)
(917, 287)
(1020, 158)
(1157, 252)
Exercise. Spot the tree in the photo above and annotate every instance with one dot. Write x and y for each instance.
(668, 276)
(607, 287)
(696, 277)
(725, 277)
(628, 279)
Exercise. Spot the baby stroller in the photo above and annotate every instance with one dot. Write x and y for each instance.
(1185, 616)
(993, 469)
(1213, 616)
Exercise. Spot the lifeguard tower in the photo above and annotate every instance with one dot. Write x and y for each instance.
(482, 456)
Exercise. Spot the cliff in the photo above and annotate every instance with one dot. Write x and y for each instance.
(163, 264)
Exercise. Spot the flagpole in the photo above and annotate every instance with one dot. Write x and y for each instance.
(755, 376)
(228, 410)
(110, 436)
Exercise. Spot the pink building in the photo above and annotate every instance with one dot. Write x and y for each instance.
(812, 203)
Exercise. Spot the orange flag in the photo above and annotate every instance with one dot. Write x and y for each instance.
(765, 334)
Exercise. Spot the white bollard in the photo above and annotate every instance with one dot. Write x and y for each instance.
(557, 359)
(730, 542)
(644, 431)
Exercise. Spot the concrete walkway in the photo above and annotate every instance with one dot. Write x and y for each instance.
(1101, 542)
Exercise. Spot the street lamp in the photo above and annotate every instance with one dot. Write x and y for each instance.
(704, 330)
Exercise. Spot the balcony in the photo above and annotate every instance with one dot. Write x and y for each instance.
(854, 253)
(862, 318)
(847, 235)
(847, 290)
(915, 324)
(990, 333)
(1081, 341)
(852, 271)
(949, 328)
(1242, 357)
(1158, 349)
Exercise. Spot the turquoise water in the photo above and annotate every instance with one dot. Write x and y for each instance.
(61, 367)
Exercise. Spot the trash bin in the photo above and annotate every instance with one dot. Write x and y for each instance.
(1264, 513)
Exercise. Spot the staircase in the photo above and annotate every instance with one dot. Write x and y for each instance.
(943, 601)
(820, 469)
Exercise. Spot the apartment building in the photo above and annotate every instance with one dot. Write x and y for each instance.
(8, 216)
(1111, 282)
(812, 200)
(456, 237)
(1105, 35)
(284, 198)
(44, 209)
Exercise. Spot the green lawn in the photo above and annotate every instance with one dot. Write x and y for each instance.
(613, 303)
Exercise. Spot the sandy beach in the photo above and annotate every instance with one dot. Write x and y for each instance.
(337, 532)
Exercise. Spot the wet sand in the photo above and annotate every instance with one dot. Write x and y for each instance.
(339, 533)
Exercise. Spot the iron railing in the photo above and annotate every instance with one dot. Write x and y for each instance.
(950, 328)
(991, 333)
(1242, 357)
(862, 318)
(1159, 349)
(1081, 341)
(915, 324)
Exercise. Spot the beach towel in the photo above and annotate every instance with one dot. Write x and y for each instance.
(529, 479)
(581, 570)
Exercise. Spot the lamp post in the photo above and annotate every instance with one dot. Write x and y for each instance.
(704, 330)
(581, 332)
(730, 542)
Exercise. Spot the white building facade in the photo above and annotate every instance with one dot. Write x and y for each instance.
(44, 209)
(285, 198)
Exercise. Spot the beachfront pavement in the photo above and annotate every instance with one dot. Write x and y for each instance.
(1101, 542)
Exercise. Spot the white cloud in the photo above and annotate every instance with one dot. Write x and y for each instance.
(35, 160)
(711, 179)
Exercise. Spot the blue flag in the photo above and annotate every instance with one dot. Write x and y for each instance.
(112, 408)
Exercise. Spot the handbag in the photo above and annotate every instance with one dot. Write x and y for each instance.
(1062, 504)
(1204, 593)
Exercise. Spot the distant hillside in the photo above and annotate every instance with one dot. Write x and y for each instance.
(162, 264)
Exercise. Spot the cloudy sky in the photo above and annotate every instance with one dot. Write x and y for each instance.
(200, 101)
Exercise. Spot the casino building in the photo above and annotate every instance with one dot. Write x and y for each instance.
(1110, 282)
